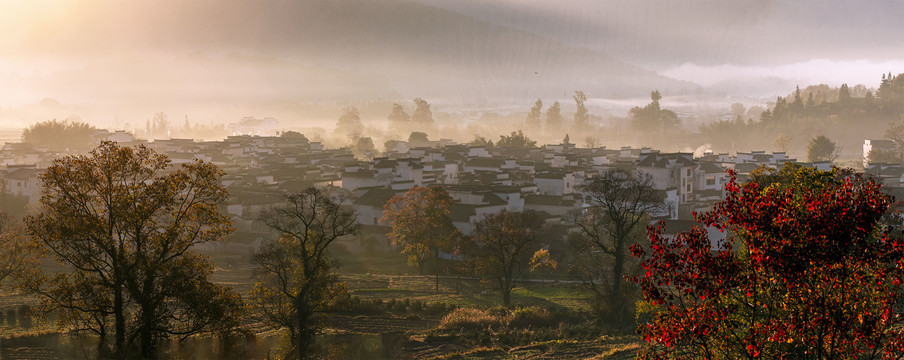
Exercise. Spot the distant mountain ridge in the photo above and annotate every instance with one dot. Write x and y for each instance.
(400, 48)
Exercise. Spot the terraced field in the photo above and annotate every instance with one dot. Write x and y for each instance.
(409, 311)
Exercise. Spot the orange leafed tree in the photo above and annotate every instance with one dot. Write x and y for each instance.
(123, 225)
(502, 245)
(420, 222)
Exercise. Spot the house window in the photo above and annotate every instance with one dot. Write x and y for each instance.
(688, 171)
(710, 180)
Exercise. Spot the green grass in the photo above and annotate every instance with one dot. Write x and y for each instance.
(466, 293)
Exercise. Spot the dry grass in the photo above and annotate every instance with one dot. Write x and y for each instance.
(470, 319)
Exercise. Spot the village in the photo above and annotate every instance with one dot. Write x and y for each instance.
(261, 166)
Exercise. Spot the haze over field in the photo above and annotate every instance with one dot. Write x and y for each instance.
(117, 63)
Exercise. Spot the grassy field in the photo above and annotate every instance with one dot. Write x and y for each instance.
(402, 320)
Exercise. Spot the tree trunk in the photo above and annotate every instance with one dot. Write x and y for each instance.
(119, 321)
(617, 309)
(436, 267)
(506, 293)
(146, 333)
(302, 340)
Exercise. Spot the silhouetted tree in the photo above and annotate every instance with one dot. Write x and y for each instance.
(581, 114)
(295, 277)
(399, 121)
(418, 137)
(619, 203)
(55, 134)
(554, 118)
(349, 124)
(652, 117)
(821, 148)
(123, 225)
(516, 140)
(422, 115)
(533, 118)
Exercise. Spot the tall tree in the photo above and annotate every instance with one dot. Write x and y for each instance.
(295, 278)
(18, 253)
(844, 94)
(502, 245)
(652, 118)
(808, 273)
(620, 202)
(123, 225)
(554, 118)
(581, 115)
(533, 118)
(399, 121)
(349, 124)
(422, 116)
(821, 148)
(420, 222)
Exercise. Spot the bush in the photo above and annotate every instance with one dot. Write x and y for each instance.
(530, 317)
(416, 306)
(436, 308)
(469, 319)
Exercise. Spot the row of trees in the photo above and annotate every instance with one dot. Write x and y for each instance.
(554, 118)
(502, 244)
(122, 225)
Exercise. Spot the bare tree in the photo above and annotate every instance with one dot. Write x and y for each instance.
(619, 204)
(295, 281)
(502, 245)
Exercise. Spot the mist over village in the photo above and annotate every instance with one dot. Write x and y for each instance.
(423, 179)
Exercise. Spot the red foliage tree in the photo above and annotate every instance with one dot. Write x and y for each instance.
(807, 272)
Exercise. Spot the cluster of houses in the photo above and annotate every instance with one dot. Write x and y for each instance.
(481, 180)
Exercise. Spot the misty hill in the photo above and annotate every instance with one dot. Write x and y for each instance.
(366, 49)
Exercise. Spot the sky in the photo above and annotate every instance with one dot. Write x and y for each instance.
(120, 62)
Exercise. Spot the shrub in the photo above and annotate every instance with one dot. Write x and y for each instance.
(469, 319)
(530, 317)
(436, 308)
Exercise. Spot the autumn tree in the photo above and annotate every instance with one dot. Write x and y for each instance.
(554, 118)
(122, 223)
(533, 118)
(542, 260)
(821, 148)
(619, 203)
(807, 272)
(18, 253)
(581, 114)
(781, 142)
(420, 222)
(296, 281)
(502, 245)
